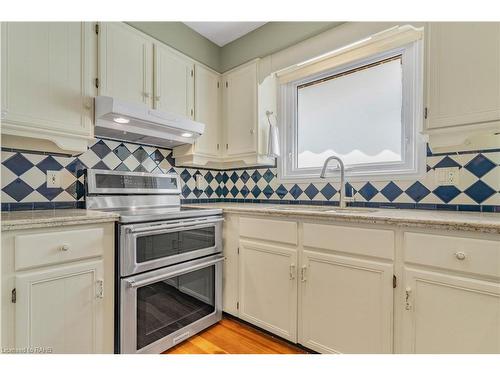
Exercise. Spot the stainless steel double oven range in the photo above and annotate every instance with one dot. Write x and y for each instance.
(168, 260)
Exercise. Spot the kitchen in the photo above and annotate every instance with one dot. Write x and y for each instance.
(319, 187)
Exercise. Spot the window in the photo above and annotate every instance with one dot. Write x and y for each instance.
(368, 113)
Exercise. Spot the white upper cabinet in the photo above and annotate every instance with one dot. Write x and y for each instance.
(462, 78)
(240, 110)
(47, 70)
(173, 81)
(207, 110)
(125, 63)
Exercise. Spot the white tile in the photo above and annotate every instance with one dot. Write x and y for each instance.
(67, 178)
(131, 162)
(6, 155)
(111, 160)
(6, 198)
(34, 177)
(89, 158)
(493, 200)
(7, 176)
(492, 178)
(34, 196)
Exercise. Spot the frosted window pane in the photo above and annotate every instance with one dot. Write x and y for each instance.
(356, 116)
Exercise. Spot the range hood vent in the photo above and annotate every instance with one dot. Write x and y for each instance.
(129, 122)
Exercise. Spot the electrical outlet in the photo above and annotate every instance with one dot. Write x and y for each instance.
(200, 182)
(447, 176)
(53, 179)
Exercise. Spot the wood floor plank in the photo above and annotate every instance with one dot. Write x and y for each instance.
(230, 336)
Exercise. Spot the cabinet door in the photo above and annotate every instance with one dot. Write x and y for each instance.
(240, 110)
(463, 73)
(125, 63)
(61, 308)
(450, 314)
(268, 287)
(46, 77)
(174, 82)
(207, 110)
(346, 304)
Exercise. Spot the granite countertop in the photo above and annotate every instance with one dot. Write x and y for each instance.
(457, 220)
(53, 218)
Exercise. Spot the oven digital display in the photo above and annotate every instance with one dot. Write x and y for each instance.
(111, 181)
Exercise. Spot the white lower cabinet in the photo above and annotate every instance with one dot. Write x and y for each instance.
(268, 287)
(345, 304)
(61, 308)
(450, 314)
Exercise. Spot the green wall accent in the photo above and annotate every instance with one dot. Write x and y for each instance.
(267, 39)
(182, 38)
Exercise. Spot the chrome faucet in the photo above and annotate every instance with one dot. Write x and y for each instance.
(342, 200)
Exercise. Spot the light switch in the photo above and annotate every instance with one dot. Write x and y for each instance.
(53, 179)
(447, 176)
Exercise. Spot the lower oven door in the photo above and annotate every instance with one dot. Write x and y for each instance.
(164, 307)
(148, 246)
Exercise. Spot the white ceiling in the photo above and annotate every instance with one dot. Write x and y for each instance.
(222, 33)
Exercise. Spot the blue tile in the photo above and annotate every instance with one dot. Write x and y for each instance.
(368, 191)
(209, 177)
(428, 149)
(446, 193)
(18, 164)
(234, 191)
(349, 190)
(101, 165)
(234, 177)
(268, 176)
(469, 207)
(225, 191)
(140, 154)
(218, 191)
(225, 178)
(245, 177)
(122, 167)
(185, 175)
(281, 191)
(295, 191)
(268, 191)
(186, 191)
(256, 191)
(218, 177)
(76, 167)
(49, 193)
(101, 149)
(76, 190)
(157, 156)
(49, 164)
(417, 191)
(123, 152)
(256, 176)
(197, 192)
(391, 191)
(479, 191)
(447, 162)
(480, 165)
(328, 191)
(245, 191)
(18, 189)
(209, 191)
(311, 191)
(170, 159)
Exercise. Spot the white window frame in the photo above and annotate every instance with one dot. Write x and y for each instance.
(413, 145)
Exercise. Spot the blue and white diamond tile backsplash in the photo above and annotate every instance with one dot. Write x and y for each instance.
(24, 181)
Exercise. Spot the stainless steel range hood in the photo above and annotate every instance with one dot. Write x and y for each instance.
(129, 122)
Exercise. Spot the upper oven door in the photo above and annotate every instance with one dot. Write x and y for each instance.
(149, 246)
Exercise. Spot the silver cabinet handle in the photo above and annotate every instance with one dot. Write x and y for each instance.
(460, 255)
(407, 299)
(64, 248)
(292, 271)
(188, 225)
(100, 289)
(303, 274)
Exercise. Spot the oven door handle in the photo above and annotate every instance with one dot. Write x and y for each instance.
(138, 284)
(192, 224)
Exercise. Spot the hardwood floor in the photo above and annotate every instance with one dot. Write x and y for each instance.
(230, 336)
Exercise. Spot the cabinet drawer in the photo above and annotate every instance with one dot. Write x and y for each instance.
(454, 253)
(363, 241)
(34, 250)
(269, 230)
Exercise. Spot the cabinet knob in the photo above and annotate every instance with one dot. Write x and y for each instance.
(145, 94)
(64, 247)
(251, 131)
(460, 255)
(157, 98)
